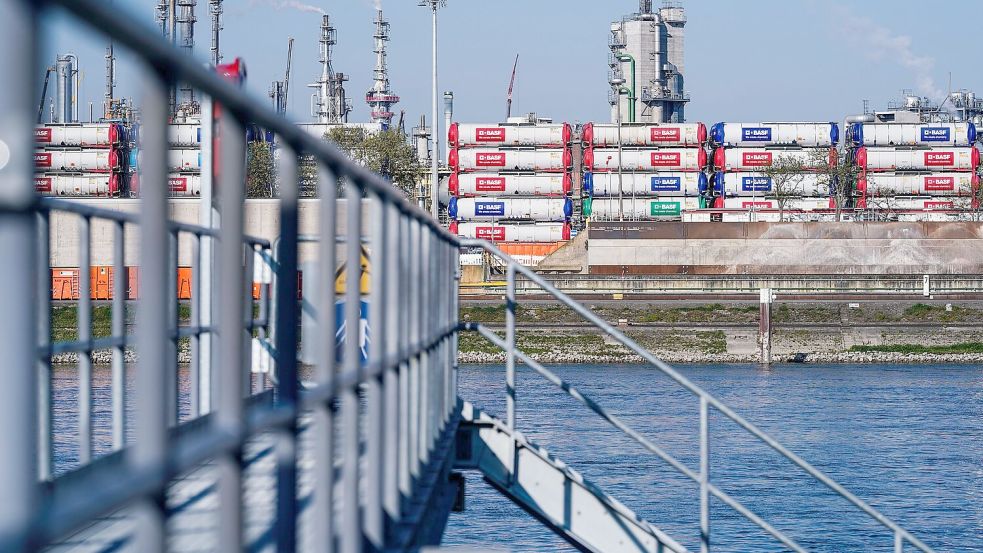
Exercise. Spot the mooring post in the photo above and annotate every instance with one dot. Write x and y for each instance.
(764, 326)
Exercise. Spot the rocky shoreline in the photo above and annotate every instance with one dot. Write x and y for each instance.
(105, 357)
(483, 358)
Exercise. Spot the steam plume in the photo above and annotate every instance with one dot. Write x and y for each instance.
(881, 44)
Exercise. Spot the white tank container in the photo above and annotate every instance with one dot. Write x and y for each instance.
(184, 160)
(757, 184)
(909, 184)
(522, 209)
(909, 134)
(750, 159)
(935, 159)
(538, 232)
(178, 184)
(667, 135)
(641, 209)
(485, 160)
(184, 135)
(806, 135)
(99, 135)
(96, 161)
(644, 184)
(793, 204)
(105, 184)
(461, 135)
(667, 159)
(479, 184)
(895, 203)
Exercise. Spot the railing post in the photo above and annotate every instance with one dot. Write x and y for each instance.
(150, 442)
(324, 432)
(375, 390)
(229, 377)
(208, 217)
(286, 347)
(18, 339)
(119, 330)
(351, 528)
(704, 476)
(898, 542)
(84, 328)
(390, 498)
(510, 340)
(45, 414)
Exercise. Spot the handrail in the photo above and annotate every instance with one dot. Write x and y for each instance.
(408, 387)
(706, 400)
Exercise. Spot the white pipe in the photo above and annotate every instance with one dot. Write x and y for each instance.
(436, 133)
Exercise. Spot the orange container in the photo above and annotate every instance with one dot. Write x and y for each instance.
(184, 283)
(64, 284)
(101, 283)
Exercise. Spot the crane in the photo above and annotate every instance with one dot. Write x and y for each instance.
(44, 92)
(508, 106)
(286, 78)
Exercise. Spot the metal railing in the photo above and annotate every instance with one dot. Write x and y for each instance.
(383, 453)
(706, 401)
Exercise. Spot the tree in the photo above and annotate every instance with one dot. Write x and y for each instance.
(260, 171)
(838, 174)
(385, 152)
(787, 174)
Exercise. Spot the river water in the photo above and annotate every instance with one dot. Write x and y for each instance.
(908, 439)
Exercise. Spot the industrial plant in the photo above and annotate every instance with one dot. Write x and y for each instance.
(532, 184)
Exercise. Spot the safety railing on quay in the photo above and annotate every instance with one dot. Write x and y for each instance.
(701, 476)
(408, 383)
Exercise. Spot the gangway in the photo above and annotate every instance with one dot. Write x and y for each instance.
(262, 453)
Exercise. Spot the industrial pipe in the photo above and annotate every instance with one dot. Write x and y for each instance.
(622, 57)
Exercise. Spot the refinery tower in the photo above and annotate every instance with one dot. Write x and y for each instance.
(380, 98)
(646, 65)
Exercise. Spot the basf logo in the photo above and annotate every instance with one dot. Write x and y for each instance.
(757, 159)
(935, 134)
(665, 209)
(936, 184)
(42, 134)
(489, 135)
(755, 134)
(666, 159)
(940, 159)
(755, 205)
(489, 184)
(42, 184)
(666, 184)
(42, 159)
(489, 209)
(939, 205)
(178, 184)
(756, 184)
(490, 159)
(495, 234)
(665, 134)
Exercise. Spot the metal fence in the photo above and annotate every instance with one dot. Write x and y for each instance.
(516, 272)
(408, 385)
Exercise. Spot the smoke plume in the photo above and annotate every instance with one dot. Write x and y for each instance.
(879, 43)
(292, 5)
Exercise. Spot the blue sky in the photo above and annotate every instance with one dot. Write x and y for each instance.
(745, 60)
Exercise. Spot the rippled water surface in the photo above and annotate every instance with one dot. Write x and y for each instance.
(908, 439)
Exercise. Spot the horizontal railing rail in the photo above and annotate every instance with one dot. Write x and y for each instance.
(706, 401)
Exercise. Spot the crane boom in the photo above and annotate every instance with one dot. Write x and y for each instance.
(286, 78)
(508, 106)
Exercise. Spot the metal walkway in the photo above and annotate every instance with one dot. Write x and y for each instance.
(359, 453)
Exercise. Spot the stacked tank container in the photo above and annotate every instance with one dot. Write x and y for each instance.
(183, 161)
(510, 183)
(907, 169)
(644, 171)
(80, 160)
(744, 191)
